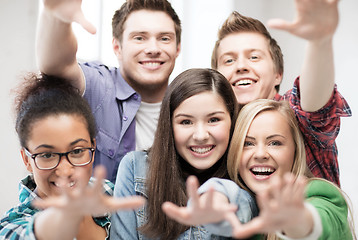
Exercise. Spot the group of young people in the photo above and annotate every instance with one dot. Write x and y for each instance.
(259, 157)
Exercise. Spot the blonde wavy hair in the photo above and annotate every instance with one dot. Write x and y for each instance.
(243, 123)
(299, 167)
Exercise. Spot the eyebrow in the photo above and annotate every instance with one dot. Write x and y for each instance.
(52, 147)
(209, 115)
(269, 137)
(145, 32)
(250, 50)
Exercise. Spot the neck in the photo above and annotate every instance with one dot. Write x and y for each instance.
(217, 170)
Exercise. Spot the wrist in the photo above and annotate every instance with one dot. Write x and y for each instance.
(315, 229)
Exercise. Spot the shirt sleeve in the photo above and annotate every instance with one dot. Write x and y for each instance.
(247, 208)
(321, 126)
(17, 225)
(124, 223)
(98, 82)
(332, 209)
(320, 130)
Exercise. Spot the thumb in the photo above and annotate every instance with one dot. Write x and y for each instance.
(81, 20)
(280, 24)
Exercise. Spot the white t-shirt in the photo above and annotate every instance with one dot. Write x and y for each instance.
(146, 124)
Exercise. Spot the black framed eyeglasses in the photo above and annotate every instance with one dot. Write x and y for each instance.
(50, 160)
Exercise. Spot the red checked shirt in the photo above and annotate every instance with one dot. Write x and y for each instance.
(320, 130)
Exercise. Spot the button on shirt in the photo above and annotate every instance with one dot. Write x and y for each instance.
(114, 104)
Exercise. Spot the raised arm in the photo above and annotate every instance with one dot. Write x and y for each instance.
(316, 21)
(56, 44)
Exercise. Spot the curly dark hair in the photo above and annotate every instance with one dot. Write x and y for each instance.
(40, 96)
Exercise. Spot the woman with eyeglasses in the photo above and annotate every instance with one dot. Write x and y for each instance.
(59, 199)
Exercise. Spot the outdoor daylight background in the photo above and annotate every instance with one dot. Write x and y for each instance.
(200, 21)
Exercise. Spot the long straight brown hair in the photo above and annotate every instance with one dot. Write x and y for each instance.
(167, 170)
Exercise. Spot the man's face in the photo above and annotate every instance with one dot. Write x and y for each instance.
(148, 51)
(245, 60)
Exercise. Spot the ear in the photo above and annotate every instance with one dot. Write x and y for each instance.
(94, 145)
(117, 49)
(26, 161)
(178, 49)
(278, 79)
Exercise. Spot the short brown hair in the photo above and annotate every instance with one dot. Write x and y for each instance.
(121, 15)
(236, 23)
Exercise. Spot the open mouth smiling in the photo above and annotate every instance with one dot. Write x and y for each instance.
(202, 150)
(70, 184)
(262, 171)
(151, 64)
(243, 82)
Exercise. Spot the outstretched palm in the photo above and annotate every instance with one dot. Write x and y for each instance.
(69, 11)
(88, 200)
(315, 19)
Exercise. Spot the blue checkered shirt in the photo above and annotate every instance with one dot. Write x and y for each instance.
(18, 222)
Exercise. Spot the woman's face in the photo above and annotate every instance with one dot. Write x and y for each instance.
(58, 134)
(201, 126)
(269, 150)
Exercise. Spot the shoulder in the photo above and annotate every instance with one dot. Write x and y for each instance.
(322, 187)
(18, 221)
(136, 162)
(332, 209)
(95, 65)
(97, 74)
(326, 197)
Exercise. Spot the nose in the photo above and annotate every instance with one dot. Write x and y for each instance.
(241, 65)
(152, 47)
(201, 133)
(261, 153)
(64, 168)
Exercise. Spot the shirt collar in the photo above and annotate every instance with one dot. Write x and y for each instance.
(123, 89)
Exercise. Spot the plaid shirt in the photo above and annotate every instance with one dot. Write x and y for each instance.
(18, 222)
(320, 130)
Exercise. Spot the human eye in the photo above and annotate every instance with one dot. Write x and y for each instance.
(138, 38)
(255, 56)
(214, 120)
(248, 143)
(165, 38)
(275, 143)
(46, 156)
(185, 122)
(228, 61)
(77, 152)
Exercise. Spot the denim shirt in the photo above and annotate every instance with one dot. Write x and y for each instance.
(114, 105)
(131, 179)
(235, 195)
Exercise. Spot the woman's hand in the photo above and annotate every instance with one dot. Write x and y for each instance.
(86, 200)
(281, 209)
(210, 207)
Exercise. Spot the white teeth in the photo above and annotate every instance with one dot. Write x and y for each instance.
(151, 64)
(201, 150)
(71, 184)
(244, 82)
(262, 169)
